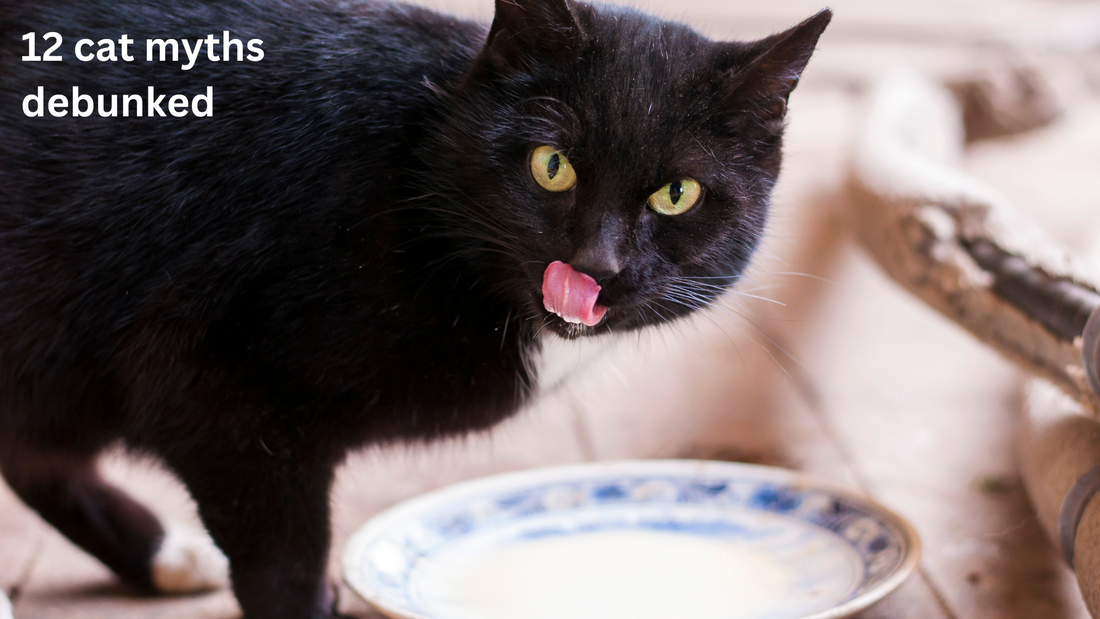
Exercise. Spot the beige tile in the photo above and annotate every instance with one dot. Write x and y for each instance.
(925, 414)
(914, 599)
(22, 535)
(68, 584)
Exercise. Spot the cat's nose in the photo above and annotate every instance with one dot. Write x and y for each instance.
(598, 242)
(599, 262)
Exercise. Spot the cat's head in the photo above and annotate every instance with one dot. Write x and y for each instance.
(612, 144)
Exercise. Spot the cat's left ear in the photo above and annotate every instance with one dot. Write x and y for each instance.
(759, 76)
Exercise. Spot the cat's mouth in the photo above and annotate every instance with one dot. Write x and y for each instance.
(573, 304)
(571, 295)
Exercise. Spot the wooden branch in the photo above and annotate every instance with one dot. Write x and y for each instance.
(955, 243)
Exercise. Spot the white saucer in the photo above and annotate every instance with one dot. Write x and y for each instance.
(632, 540)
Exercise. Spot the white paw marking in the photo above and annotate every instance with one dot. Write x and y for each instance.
(187, 562)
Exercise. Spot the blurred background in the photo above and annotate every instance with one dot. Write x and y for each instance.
(818, 363)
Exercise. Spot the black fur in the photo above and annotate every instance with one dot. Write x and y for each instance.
(350, 251)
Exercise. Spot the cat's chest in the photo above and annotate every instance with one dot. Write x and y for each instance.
(555, 360)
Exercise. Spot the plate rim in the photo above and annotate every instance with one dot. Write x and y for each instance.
(349, 559)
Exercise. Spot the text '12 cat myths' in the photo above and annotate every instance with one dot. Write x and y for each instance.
(149, 104)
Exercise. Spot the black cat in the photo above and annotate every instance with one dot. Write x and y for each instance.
(364, 243)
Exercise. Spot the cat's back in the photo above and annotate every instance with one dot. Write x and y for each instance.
(378, 40)
(104, 219)
(331, 71)
(314, 111)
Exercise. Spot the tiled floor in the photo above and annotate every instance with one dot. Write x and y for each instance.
(874, 390)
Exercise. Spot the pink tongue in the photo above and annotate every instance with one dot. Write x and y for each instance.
(571, 295)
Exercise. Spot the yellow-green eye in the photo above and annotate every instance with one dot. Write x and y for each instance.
(552, 170)
(675, 197)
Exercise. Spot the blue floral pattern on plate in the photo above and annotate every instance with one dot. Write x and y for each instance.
(685, 497)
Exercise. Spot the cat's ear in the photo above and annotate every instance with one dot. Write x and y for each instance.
(523, 30)
(758, 77)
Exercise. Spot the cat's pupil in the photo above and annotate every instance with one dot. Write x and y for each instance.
(553, 165)
(675, 190)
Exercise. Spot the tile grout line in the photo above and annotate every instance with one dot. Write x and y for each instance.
(813, 397)
(936, 593)
(16, 590)
(849, 461)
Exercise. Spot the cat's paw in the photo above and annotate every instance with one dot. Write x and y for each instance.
(187, 562)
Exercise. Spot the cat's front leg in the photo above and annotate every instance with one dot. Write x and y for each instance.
(269, 513)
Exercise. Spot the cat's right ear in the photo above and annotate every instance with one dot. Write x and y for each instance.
(527, 31)
(759, 76)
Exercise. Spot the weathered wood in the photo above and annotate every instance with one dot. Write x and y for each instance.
(917, 214)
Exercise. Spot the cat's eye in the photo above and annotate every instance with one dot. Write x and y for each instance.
(676, 197)
(552, 171)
